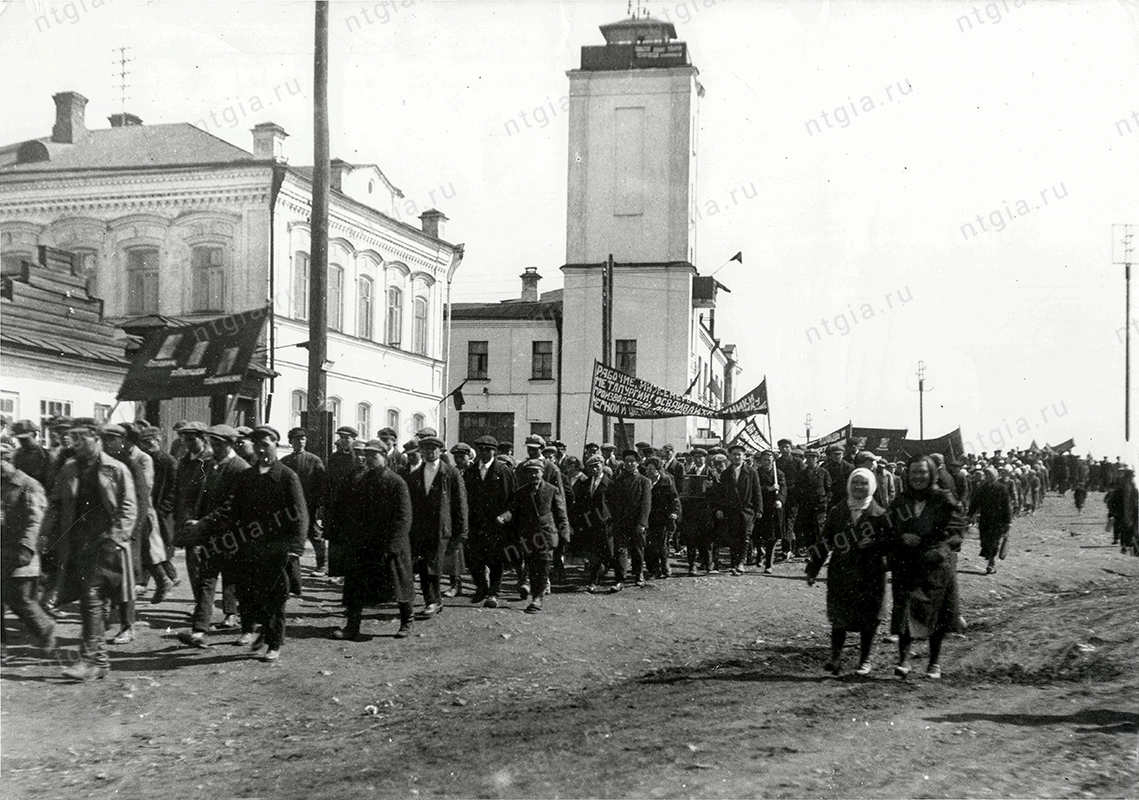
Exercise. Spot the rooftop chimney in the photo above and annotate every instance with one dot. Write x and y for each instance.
(124, 120)
(530, 280)
(70, 117)
(432, 222)
(269, 141)
(338, 167)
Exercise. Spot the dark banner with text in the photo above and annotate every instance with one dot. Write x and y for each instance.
(950, 445)
(616, 394)
(207, 358)
(879, 441)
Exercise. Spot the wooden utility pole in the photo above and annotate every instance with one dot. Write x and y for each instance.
(1123, 249)
(921, 399)
(606, 329)
(318, 428)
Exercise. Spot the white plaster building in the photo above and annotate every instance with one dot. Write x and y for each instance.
(171, 224)
(633, 118)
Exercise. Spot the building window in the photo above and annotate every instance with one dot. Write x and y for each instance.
(543, 429)
(395, 316)
(9, 407)
(142, 280)
(53, 408)
(543, 362)
(102, 413)
(333, 407)
(477, 361)
(86, 263)
(419, 334)
(499, 424)
(418, 422)
(335, 297)
(208, 270)
(627, 356)
(365, 313)
(364, 418)
(300, 285)
(300, 406)
(393, 419)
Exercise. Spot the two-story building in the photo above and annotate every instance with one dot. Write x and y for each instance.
(170, 223)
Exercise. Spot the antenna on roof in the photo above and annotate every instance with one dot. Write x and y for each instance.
(120, 63)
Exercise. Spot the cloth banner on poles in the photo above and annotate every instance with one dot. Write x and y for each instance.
(1064, 447)
(879, 441)
(950, 445)
(751, 436)
(840, 436)
(616, 394)
(206, 358)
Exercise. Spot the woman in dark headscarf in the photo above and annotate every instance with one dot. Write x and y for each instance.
(856, 536)
(992, 507)
(927, 530)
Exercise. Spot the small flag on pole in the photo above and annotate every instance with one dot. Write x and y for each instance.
(457, 396)
(738, 257)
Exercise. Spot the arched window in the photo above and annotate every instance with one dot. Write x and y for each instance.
(419, 336)
(418, 422)
(300, 405)
(365, 308)
(395, 316)
(300, 285)
(364, 419)
(393, 419)
(142, 280)
(335, 297)
(334, 407)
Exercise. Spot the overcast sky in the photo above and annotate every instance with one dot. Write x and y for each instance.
(845, 148)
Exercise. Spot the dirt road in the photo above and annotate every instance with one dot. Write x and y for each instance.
(690, 687)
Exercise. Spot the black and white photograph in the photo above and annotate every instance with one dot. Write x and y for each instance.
(569, 399)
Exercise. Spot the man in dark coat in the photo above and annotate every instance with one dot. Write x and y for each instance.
(537, 513)
(630, 502)
(490, 486)
(23, 503)
(789, 467)
(91, 517)
(162, 492)
(338, 514)
(991, 504)
(590, 521)
(811, 496)
(207, 536)
(377, 558)
(31, 458)
(738, 502)
(193, 467)
(439, 519)
(769, 524)
(664, 515)
(314, 482)
(270, 520)
(839, 469)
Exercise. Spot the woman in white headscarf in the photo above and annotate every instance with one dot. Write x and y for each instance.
(855, 537)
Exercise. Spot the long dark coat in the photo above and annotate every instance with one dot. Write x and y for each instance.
(487, 497)
(437, 517)
(856, 576)
(630, 501)
(991, 502)
(377, 558)
(162, 493)
(538, 516)
(591, 513)
(925, 575)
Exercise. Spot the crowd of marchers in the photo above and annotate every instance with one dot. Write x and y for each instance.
(381, 518)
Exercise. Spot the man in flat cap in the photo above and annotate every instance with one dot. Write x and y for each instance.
(699, 462)
(590, 523)
(412, 458)
(211, 541)
(839, 469)
(270, 518)
(314, 482)
(489, 485)
(768, 526)
(148, 551)
(341, 471)
(612, 462)
(463, 455)
(23, 504)
(537, 513)
(738, 501)
(161, 492)
(393, 456)
(789, 467)
(31, 458)
(193, 467)
(811, 496)
(244, 445)
(90, 521)
(377, 560)
(439, 519)
(630, 502)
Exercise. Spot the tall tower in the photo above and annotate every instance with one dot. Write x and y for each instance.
(632, 151)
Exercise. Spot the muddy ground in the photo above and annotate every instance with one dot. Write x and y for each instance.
(690, 687)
